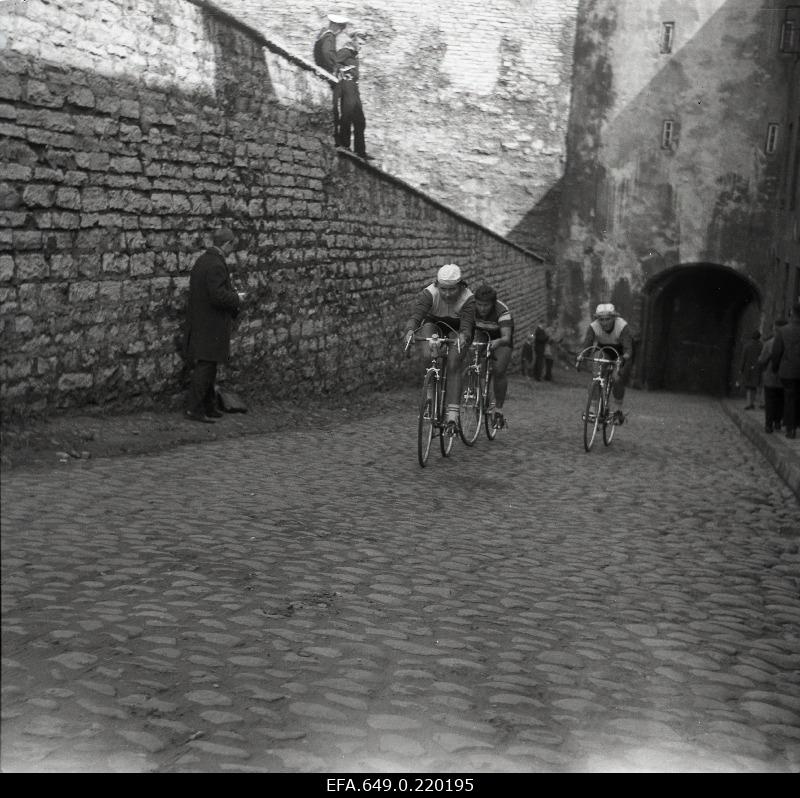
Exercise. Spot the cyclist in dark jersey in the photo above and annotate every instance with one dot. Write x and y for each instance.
(443, 306)
(493, 321)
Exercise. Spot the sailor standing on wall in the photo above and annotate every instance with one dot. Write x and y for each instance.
(351, 119)
(325, 57)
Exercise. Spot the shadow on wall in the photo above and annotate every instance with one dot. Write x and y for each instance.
(537, 229)
(233, 72)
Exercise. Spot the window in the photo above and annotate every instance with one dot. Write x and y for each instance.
(667, 36)
(790, 30)
(795, 169)
(667, 134)
(772, 139)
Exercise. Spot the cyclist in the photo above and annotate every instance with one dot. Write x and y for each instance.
(494, 322)
(610, 329)
(444, 304)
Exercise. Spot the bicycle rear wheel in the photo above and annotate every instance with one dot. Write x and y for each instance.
(608, 419)
(488, 418)
(591, 416)
(427, 411)
(471, 410)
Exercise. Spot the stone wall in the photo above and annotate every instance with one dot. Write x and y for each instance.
(127, 132)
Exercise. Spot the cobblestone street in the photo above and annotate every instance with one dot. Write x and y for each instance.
(314, 601)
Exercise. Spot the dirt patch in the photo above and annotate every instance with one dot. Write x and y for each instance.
(45, 443)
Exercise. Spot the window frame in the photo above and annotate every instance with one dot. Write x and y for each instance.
(668, 134)
(771, 141)
(667, 39)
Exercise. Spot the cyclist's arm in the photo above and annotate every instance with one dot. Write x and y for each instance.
(466, 325)
(422, 306)
(506, 333)
(626, 343)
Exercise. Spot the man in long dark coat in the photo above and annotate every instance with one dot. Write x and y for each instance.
(213, 304)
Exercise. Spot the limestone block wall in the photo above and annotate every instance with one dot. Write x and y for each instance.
(127, 132)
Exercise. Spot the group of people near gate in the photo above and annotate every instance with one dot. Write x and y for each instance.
(449, 308)
(773, 366)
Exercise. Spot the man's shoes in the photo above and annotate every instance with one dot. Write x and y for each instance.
(203, 419)
(618, 417)
(451, 427)
(214, 413)
(749, 407)
(499, 420)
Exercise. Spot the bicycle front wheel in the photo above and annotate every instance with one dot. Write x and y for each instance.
(591, 416)
(427, 411)
(446, 439)
(488, 418)
(608, 421)
(471, 410)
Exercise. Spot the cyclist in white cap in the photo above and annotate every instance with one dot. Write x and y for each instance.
(610, 329)
(446, 307)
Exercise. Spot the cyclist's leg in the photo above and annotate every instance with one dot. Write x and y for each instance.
(618, 390)
(502, 357)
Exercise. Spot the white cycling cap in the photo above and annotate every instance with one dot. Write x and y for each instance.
(448, 275)
(605, 309)
(338, 19)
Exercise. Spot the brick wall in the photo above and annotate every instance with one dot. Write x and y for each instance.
(127, 132)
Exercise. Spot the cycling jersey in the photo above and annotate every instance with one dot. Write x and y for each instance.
(431, 306)
(498, 319)
(619, 337)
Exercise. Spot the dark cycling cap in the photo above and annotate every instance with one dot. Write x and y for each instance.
(485, 293)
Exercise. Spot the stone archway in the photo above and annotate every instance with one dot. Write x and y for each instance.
(694, 319)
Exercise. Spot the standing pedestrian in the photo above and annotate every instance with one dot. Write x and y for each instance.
(549, 352)
(351, 112)
(786, 364)
(526, 356)
(773, 388)
(213, 304)
(749, 371)
(539, 341)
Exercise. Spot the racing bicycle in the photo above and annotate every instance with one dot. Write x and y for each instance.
(431, 421)
(476, 395)
(604, 361)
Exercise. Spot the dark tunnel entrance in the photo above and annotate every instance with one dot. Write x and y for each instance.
(695, 317)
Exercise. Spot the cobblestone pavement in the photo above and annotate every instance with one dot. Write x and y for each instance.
(314, 601)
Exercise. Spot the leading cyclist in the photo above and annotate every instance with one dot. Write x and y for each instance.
(610, 329)
(494, 322)
(446, 307)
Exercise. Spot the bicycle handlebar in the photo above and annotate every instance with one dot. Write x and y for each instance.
(432, 339)
(600, 360)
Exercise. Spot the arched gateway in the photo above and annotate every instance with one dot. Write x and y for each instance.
(694, 318)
